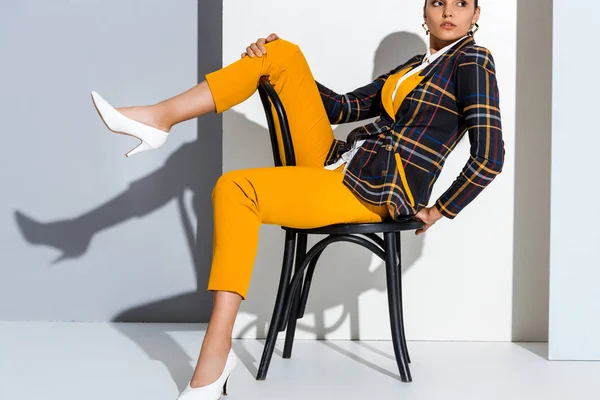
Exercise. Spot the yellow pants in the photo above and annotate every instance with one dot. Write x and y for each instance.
(304, 196)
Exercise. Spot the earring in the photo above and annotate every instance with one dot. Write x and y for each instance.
(471, 31)
(425, 27)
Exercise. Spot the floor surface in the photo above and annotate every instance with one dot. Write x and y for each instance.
(88, 361)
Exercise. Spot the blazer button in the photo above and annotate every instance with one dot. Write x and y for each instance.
(389, 147)
(384, 172)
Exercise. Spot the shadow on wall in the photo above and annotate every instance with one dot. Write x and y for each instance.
(193, 167)
(183, 170)
(531, 270)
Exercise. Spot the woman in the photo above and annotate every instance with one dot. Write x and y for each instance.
(385, 169)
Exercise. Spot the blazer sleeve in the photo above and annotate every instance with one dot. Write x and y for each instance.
(360, 104)
(478, 100)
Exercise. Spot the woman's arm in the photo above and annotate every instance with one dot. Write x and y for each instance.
(362, 103)
(478, 99)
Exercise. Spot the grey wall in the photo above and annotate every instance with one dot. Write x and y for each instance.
(533, 132)
(575, 238)
(85, 233)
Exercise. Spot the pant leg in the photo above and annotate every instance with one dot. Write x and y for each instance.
(292, 78)
(298, 197)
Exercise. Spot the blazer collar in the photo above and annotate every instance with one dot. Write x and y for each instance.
(434, 66)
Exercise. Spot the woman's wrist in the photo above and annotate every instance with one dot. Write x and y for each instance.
(436, 213)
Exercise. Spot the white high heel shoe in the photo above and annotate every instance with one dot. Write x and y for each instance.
(215, 389)
(151, 138)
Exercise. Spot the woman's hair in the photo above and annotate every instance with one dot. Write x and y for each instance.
(476, 3)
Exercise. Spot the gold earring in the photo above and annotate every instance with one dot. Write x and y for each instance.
(425, 27)
(471, 31)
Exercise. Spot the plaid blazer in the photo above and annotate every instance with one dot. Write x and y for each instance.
(405, 149)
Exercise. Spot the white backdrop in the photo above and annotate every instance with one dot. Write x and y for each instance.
(458, 277)
(574, 266)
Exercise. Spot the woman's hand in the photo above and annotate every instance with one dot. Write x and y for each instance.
(258, 49)
(429, 216)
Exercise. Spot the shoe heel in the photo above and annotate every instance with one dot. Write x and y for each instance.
(225, 387)
(141, 147)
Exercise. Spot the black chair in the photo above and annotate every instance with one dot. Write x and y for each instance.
(292, 294)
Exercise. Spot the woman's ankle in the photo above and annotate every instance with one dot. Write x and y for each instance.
(148, 115)
(161, 117)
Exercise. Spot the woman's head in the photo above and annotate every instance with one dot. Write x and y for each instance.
(449, 20)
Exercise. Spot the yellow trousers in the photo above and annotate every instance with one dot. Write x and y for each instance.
(304, 196)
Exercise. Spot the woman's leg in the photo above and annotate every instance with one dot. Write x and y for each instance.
(300, 197)
(217, 341)
(190, 104)
(312, 136)
(291, 77)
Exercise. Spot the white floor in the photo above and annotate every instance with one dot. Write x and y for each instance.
(76, 361)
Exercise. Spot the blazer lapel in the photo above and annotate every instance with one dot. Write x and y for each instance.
(390, 85)
(405, 88)
(388, 89)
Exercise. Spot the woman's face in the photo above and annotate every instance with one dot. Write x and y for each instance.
(449, 20)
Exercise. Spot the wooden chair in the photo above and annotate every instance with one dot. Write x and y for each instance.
(293, 291)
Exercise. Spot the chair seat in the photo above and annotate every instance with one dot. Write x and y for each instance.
(350, 229)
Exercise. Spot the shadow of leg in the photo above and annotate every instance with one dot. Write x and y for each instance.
(156, 343)
(72, 236)
(242, 353)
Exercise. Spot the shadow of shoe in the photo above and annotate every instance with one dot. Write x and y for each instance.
(54, 234)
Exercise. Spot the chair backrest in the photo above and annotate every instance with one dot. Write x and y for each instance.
(270, 101)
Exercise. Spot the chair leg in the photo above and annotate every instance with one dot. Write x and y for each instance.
(395, 305)
(310, 271)
(399, 253)
(294, 311)
(278, 310)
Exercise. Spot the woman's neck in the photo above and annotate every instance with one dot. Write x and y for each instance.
(436, 44)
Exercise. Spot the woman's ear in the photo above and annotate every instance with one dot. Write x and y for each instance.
(477, 14)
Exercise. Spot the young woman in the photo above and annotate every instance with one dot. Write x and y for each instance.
(385, 169)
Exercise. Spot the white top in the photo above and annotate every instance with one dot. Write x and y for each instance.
(429, 58)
